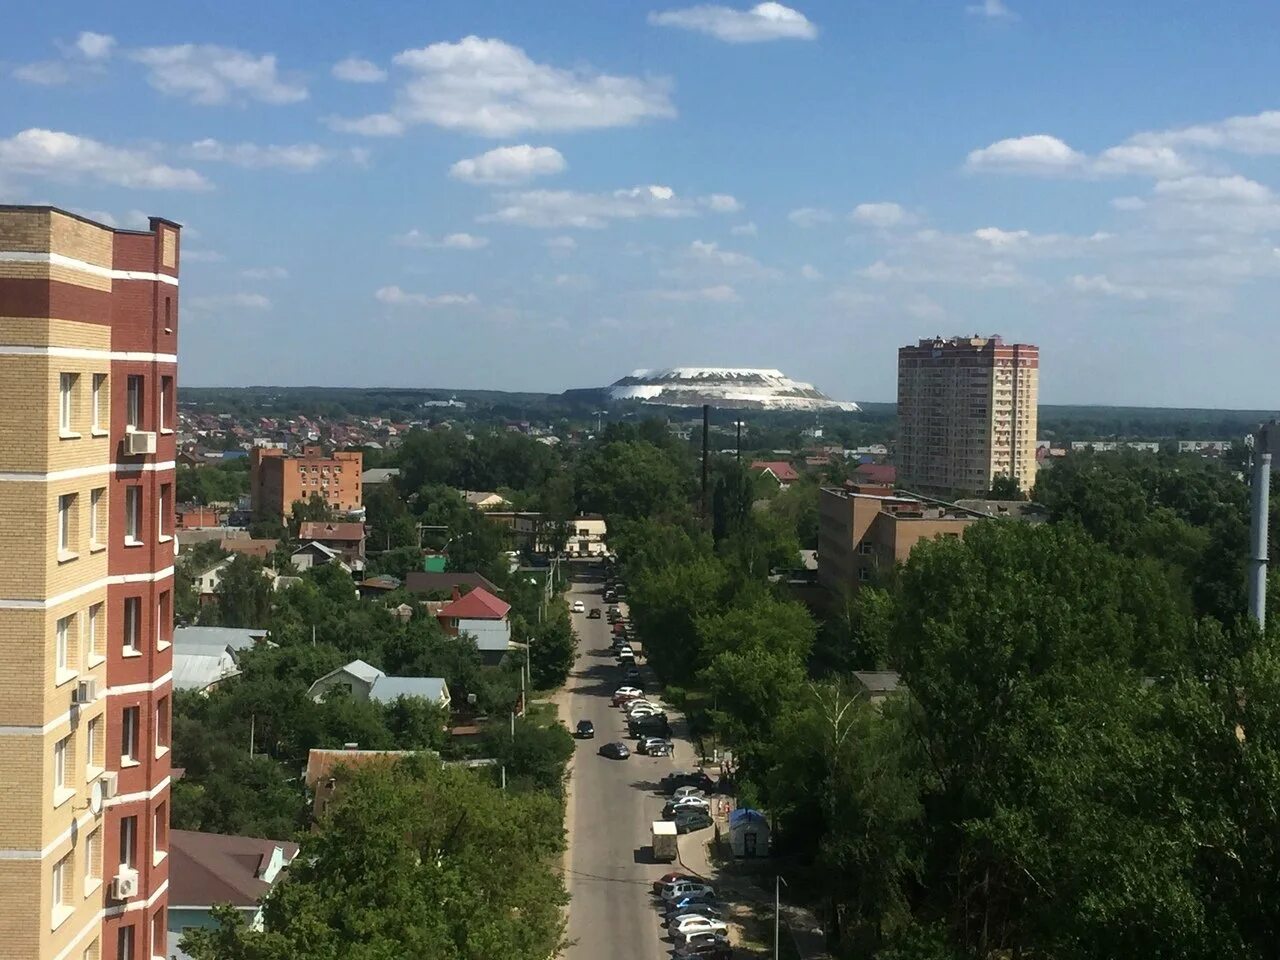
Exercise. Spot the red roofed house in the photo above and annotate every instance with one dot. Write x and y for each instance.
(480, 615)
(878, 474)
(346, 538)
(781, 471)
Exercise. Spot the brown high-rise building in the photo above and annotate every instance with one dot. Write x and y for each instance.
(277, 481)
(967, 413)
(88, 379)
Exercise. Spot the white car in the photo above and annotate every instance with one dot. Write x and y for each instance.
(694, 925)
(625, 652)
(679, 889)
(682, 792)
(691, 803)
(579, 607)
(642, 710)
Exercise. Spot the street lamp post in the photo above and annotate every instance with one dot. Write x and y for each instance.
(778, 883)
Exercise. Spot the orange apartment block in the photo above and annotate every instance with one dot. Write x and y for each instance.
(276, 480)
(863, 529)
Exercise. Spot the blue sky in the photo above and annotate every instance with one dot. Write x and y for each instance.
(537, 196)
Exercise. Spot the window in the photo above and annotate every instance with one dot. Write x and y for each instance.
(863, 575)
(166, 396)
(60, 764)
(159, 932)
(93, 859)
(164, 512)
(66, 526)
(162, 726)
(66, 403)
(160, 832)
(133, 402)
(124, 940)
(61, 901)
(96, 640)
(99, 381)
(62, 644)
(132, 514)
(93, 748)
(865, 548)
(128, 841)
(97, 519)
(129, 736)
(132, 625)
(164, 619)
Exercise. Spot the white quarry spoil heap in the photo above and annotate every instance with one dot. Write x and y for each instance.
(723, 387)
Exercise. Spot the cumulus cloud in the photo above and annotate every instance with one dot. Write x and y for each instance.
(452, 241)
(744, 229)
(209, 75)
(722, 203)
(764, 21)
(1100, 284)
(394, 296)
(1234, 189)
(1141, 160)
(356, 70)
(494, 89)
(1037, 154)
(509, 165)
(95, 46)
(711, 253)
(883, 215)
(991, 10)
(1257, 134)
(809, 216)
(298, 156)
(264, 273)
(45, 73)
(550, 209)
(720, 293)
(80, 59)
(55, 155)
(810, 272)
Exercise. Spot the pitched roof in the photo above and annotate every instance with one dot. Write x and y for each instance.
(363, 671)
(782, 470)
(321, 530)
(322, 763)
(329, 552)
(479, 604)
(478, 497)
(378, 474)
(878, 681)
(211, 641)
(388, 689)
(879, 473)
(209, 868)
(200, 671)
(253, 548)
(420, 581)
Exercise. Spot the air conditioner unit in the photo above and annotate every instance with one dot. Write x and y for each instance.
(86, 691)
(125, 884)
(110, 783)
(138, 442)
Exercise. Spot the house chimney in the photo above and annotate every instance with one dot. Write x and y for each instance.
(457, 594)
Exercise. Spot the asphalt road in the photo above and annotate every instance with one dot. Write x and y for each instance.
(613, 803)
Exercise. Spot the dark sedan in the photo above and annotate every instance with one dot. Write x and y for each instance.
(692, 820)
(617, 751)
(586, 730)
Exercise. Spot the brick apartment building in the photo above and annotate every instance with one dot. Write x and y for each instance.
(88, 367)
(967, 413)
(276, 480)
(864, 530)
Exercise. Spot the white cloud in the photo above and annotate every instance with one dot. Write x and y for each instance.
(1037, 154)
(492, 88)
(711, 253)
(883, 215)
(394, 296)
(264, 273)
(371, 125)
(561, 244)
(201, 256)
(720, 293)
(991, 10)
(206, 74)
(95, 46)
(721, 203)
(356, 70)
(46, 73)
(1136, 159)
(1001, 238)
(550, 209)
(56, 155)
(809, 216)
(744, 230)
(810, 272)
(453, 241)
(764, 21)
(229, 301)
(509, 165)
(1128, 203)
(1258, 134)
(1102, 285)
(924, 308)
(298, 156)
(1234, 189)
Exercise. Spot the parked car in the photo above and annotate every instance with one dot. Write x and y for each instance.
(673, 877)
(687, 778)
(672, 808)
(586, 730)
(704, 913)
(617, 750)
(641, 708)
(625, 651)
(682, 888)
(632, 676)
(625, 694)
(686, 792)
(710, 946)
(642, 744)
(656, 746)
(687, 821)
(613, 614)
(594, 614)
(698, 925)
(653, 725)
(691, 900)
(579, 606)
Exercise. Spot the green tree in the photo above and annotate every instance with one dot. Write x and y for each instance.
(243, 594)
(1005, 487)
(629, 480)
(552, 652)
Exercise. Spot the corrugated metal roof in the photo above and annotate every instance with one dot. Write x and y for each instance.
(209, 640)
(387, 689)
(199, 671)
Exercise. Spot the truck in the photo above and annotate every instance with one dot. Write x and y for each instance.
(664, 840)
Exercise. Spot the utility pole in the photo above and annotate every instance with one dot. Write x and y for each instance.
(252, 722)
(737, 447)
(1258, 538)
(778, 883)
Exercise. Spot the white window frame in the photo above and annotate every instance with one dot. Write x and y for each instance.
(163, 507)
(91, 655)
(132, 515)
(66, 404)
(62, 650)
(166, 385)
(93, 861)
(61, 791)
(162, 723)
(66, 534)
(130, 718)
(59, 876)
(157, 852)
(161, 642)
(132, 626)
(133, 401)
(129, 827)
(96, 426)
(92, 735)
(95, 508)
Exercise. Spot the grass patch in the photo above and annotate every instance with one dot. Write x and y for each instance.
(544, 714)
